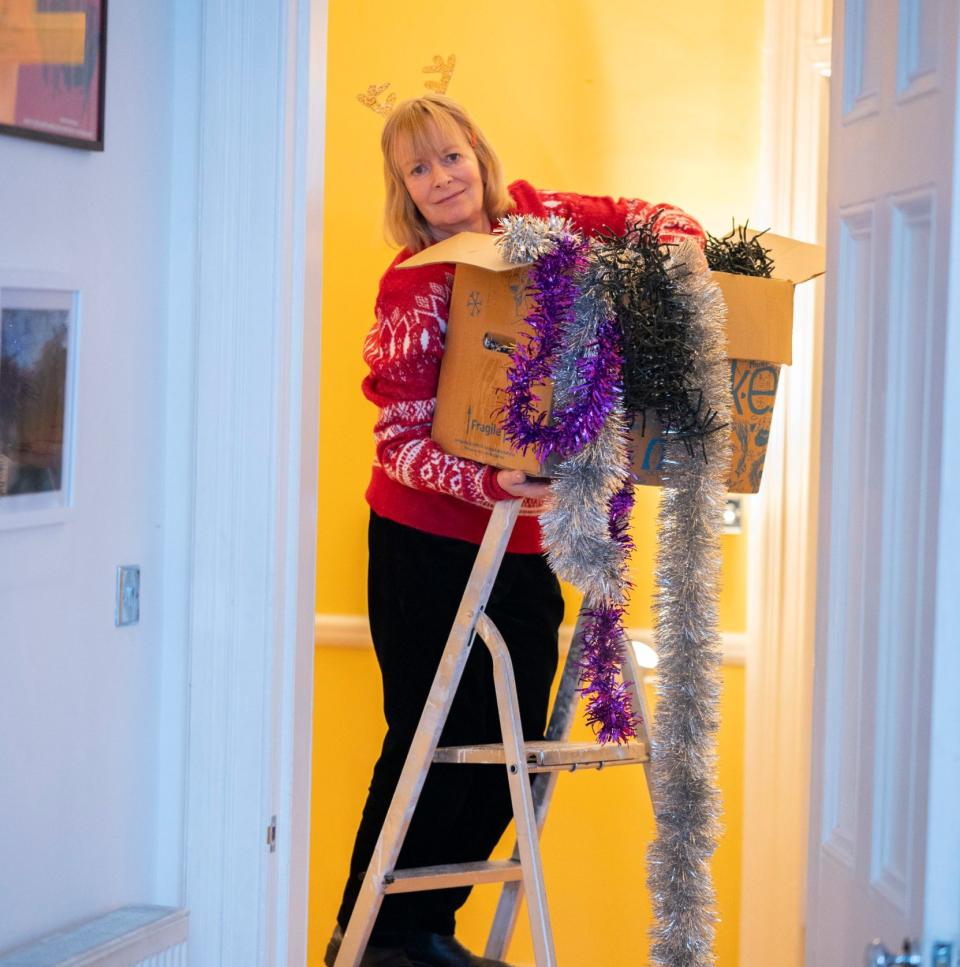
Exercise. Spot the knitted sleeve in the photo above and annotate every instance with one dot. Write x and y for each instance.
(592, 213)
(403, 351)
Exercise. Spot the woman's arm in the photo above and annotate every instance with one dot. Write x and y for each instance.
(593, 213)
(403, 351)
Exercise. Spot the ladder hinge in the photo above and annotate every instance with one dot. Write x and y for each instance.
(272, 834)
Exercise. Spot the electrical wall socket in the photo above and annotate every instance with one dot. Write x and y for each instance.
(128, 595)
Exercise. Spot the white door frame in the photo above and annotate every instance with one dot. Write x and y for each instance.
(249, 399)
(782, 520)
(242, 431)
(941, 886)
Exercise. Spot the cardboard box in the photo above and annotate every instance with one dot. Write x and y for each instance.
(759, 342)
(487, 311)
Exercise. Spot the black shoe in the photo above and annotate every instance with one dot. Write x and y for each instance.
(437, 950)
(372, 957)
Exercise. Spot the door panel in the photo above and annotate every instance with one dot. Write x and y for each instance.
(890, 211)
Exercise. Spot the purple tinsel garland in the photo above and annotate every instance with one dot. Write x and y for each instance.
(609, 709)
(577, 421)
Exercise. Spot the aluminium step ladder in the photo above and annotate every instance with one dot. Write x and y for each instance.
(523, 872)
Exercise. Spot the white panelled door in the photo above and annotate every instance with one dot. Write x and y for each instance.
(884, 841)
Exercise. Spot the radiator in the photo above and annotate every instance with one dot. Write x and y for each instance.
(141, 936)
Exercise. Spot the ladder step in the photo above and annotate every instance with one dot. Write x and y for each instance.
(549, 756)
(453, 874)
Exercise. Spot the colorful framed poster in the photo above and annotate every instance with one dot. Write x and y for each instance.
(37, 356)
(52, 58)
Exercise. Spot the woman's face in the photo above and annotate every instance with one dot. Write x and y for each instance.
(444, 182)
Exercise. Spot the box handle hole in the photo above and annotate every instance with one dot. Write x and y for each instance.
(499, 344)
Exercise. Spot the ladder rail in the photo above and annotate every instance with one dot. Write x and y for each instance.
(561, 719)
(530, 800)
(634, 673)
(427, 736)
(518, 777)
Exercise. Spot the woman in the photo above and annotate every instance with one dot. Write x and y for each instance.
(428, 513)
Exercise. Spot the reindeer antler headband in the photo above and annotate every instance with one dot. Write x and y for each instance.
(445, 68)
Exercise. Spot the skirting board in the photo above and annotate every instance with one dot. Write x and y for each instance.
(352, 631)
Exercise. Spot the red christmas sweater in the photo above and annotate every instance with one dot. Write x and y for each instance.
(414, 481)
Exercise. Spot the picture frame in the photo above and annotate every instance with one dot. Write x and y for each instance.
(53, 71)
(38, 353)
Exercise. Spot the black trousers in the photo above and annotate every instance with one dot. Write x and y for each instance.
(415, 583)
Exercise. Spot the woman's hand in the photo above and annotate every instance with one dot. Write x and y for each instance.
(518, 484)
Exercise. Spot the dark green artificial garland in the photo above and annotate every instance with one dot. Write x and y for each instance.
(739, 255)
(630, 270)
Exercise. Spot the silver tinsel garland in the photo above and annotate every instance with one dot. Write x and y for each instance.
(688, 650)
(526, 238)
(575, 524)
(581, 550)
(576, 343)
(576, 532)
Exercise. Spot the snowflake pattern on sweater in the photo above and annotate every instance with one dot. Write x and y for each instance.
(403, 351)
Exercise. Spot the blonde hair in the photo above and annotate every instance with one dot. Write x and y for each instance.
(417, 119)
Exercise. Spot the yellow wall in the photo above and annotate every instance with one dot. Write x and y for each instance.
(622, 97)
(617, 97)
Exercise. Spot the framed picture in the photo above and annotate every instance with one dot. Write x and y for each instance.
(52, 58)
(37, 362)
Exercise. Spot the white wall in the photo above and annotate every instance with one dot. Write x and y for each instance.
(79, 698)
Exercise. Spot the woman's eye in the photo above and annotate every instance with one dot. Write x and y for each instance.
(454, 156)
(418, 169)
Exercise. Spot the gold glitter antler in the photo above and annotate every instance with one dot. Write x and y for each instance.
(442, 67)
(369, 99)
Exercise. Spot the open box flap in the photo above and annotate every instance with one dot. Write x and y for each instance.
(464, 248)
(793, 261)
(759, 317)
